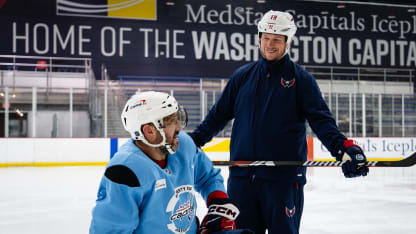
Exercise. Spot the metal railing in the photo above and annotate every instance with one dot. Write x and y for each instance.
(356, 114)
(361, 73)
(44, 63)
(94, 111)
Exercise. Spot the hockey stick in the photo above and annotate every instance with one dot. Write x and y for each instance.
(406, 162)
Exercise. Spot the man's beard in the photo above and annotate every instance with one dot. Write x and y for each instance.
(163, 149)
(174, 147)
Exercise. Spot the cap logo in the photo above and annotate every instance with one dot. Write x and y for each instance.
(273, 17)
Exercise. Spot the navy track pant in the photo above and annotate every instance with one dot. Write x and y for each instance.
(265, 204)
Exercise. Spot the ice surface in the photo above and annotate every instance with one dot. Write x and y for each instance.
(59, 200)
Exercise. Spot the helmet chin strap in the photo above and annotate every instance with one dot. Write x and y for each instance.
(161, 144)
(169, 148)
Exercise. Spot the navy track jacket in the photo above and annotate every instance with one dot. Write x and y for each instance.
(270, 103)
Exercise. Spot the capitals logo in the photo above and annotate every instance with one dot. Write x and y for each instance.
(182, 209)
(290, 212)
(287, 83)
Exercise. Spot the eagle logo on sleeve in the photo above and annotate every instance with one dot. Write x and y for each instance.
(287, 83)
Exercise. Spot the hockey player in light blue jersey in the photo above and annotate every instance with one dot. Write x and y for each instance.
(149, 185)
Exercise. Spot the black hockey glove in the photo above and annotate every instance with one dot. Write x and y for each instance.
(221, 215)
(354, 160)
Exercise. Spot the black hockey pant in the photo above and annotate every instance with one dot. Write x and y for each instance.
(264, 204)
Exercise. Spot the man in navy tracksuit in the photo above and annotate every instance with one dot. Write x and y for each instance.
(270, 101)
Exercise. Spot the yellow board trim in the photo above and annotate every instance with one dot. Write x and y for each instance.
(51, 164)
(217, 145)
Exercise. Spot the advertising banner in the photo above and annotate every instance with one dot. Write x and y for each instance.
(374, 148)
(204, 38)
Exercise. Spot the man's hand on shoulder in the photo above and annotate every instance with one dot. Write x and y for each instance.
(195, 139)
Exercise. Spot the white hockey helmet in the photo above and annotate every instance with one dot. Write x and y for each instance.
(278, 22)
(151, 107)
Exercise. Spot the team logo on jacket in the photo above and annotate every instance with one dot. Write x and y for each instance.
(287, 83)
(182, 209)
(290, 212)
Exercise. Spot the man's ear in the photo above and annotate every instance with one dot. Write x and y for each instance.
(149, 132)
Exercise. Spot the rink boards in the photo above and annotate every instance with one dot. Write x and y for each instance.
(97, 151)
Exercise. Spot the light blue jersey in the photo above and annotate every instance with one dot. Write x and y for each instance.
(137, 196)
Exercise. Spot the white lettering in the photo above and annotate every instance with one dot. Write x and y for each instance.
(83, 40)
(237, 16)
(401, 45)
(202, 43)
(382, 49)
(161, 43)
(319, 43)
(146, 40)
(411, 58)
(368, 53)
(305, 41)
(24, 37)
(237, 53)
(57, 38)
(45, 38)
(222, 47)
(176, 44)
(219, 46)
(104, 39)
(200, 14)
(354, 57)
(122, 41)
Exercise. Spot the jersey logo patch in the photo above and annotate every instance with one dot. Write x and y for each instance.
(290, 212)
(182, 209)
(160, 184)
(287, 83)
